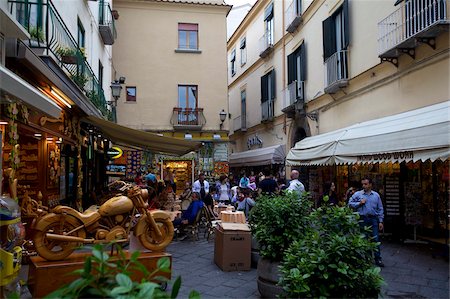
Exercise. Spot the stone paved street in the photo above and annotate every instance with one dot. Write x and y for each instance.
(410, 272)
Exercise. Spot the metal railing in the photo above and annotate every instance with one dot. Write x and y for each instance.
(107, 24)
(239, 123)
(292, 16)
(267, 110)
(336, 67)
(187, 117)
(50, 35)
(294, 92)
(409, 20)
(265, 42)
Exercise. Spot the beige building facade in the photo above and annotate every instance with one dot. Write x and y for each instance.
(337, 64)
(173, 56)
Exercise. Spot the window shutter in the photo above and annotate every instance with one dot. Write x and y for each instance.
(233, 55)
(268, 13)
(302, 75)
(291, 68)
(273, 84)
(264, 89)
(329, 38)
(346, 24)
(242, 45)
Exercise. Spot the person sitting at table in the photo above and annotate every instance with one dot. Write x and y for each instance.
(188, 216)
(209, 201)
(245, 202)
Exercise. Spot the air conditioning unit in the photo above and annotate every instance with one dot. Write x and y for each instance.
(300, 90)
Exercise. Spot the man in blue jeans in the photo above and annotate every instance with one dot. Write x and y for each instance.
(369, 206)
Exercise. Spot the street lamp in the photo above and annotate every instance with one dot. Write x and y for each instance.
(222, 116)
(116, 88)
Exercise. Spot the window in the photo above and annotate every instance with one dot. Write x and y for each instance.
(131, 93)
(233, 62)
(81, 35)
(243, 109)
(268, 94)
(2, 50)
(188, 36)
(268, 86)
(297, 71)
(100, 74)
(298, 7)
(336, 32)
(187, 101)
(268, 20)
(243, 51)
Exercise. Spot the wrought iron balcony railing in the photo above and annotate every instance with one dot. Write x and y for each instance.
(107, 24)
(293, 16)
(187, 118)
(266, 43)
(240, 123)
(267, 110)
(336, 71)
(416, 19)
(293, 94)
(50, 36)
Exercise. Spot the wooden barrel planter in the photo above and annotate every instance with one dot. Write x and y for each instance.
(268, 276)
(69, 59)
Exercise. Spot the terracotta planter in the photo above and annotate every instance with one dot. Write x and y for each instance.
(268, 276)
(115, 14)
(69, 59)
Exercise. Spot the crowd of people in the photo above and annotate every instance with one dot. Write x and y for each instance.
(242, 193)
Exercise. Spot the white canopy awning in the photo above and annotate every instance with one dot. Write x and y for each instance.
(261, 156)
(415, 135)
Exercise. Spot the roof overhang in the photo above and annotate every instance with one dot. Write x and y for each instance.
(18, 88)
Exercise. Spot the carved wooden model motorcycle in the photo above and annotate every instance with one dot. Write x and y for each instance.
(60, 232)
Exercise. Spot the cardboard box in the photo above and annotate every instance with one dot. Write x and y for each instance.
(232, 247)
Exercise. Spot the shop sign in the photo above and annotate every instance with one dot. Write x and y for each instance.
(254, 141)
(406, 155)
(114, 152)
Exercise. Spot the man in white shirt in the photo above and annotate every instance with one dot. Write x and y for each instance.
(295, 184)
(201, 186)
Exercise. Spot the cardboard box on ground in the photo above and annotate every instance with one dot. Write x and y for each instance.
(232, 247)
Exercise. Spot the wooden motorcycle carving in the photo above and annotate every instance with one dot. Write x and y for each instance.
(60, 232)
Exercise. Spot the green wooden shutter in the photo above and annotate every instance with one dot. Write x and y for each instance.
(346, 25)
(329, 38)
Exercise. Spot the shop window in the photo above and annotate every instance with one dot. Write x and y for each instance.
(187, 36)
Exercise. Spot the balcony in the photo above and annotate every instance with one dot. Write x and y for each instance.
(415, 21)
(240, 123)
(187, 118)
(336, 71)
(294, 96)
(293, 17)
(51, 37)
(267, 111)
(266, 44)
(106, 24)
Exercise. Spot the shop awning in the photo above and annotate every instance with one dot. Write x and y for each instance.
(415, 135)
(22, 90)
(261, 156)
(150, 141)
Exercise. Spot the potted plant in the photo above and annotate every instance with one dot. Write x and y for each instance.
(115, 14)
(276, 221)
(70, 55)
(333, 259)
(105, 276)
(36, 33)
(80, 79)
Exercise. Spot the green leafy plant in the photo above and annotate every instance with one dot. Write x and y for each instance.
(80, 79)
(104, 276)
(333, 259)
(70, 51)
(36, 33)
(276, 221)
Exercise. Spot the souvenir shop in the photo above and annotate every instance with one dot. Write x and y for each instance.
(407, 157)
